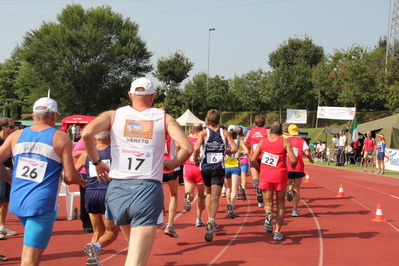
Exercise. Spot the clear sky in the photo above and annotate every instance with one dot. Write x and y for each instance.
(246, 31)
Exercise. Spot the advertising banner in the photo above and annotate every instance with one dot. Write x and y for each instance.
(391, 159)
(341, 113)
(296, 116)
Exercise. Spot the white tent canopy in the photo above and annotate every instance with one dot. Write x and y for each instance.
(188, 119)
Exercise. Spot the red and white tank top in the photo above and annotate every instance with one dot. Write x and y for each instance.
(256, 134)
(137, 138)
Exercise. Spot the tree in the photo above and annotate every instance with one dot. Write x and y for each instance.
(194, 94)
(247, 90)
(12, 99)
(87, 58)
(173, 69)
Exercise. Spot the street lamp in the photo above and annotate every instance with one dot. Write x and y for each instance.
(209, 53)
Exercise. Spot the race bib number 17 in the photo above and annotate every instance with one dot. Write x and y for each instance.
(31, 169)
(137, 162)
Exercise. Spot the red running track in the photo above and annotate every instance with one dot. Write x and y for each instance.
(331, 230)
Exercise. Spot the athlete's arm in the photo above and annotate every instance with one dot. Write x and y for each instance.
(291, 154)
(197, 147)
(255, 155)
(63, 147)
(233, 146)
(101, 123)
(174, 130)
(80, 163)
(5, 153)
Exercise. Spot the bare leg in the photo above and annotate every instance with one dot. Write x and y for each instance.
(98, 226)
(214, 200)
(3, 213)
(31, 256)
(280, 198)
(235, 182)
(173, 186)
(141, 241)
(227, 182)
(297, 196)
(268, 200)
(111, 233)
(201, 199)
(189, 188)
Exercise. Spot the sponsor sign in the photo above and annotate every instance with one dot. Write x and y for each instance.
(341, 113)
(297, 116)
(391, 159)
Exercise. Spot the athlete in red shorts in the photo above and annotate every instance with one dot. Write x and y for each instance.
(193, 178)
(273, 174)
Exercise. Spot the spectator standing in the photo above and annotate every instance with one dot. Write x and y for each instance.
(368, 151)
(380, 154)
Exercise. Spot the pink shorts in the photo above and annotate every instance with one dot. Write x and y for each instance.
(272, 186)
(193, 174)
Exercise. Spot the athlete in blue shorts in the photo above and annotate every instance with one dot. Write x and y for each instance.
(39, 152)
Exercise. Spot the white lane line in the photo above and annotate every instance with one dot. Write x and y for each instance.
(367, 208)
(321, 246)
(235, 235)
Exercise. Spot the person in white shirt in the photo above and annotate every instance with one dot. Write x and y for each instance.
(320, 150)
(341, 148)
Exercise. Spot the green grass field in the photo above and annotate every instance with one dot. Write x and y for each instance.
(353, 167)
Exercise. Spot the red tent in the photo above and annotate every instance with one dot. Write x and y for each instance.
(79, 120)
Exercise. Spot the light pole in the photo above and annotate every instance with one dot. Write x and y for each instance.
(209, 53)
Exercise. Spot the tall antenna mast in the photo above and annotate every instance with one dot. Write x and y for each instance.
(393, 38)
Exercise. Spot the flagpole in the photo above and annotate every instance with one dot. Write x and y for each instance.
(48, 93)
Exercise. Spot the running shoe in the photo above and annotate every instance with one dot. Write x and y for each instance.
(92, 255)
(372, 171)
(5, 231)
(278, 236)
(2, 236)
(260, 205)
(199, 223)
(230, 210)
(269, 222)
(259, 195)
(382, 173)
(171, 231)
(224, 194)
(295, 213)
(378, 172)
(365, 171)
(187, 202)
(210, 226)
(243, 193)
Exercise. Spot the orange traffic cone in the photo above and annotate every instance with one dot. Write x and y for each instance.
(341, 193)
(307, 179)
(379, 217)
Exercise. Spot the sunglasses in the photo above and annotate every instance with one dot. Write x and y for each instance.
(12, 127)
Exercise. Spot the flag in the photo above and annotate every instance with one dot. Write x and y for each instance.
(354, 131)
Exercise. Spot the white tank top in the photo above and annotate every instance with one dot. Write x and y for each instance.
(137, 144)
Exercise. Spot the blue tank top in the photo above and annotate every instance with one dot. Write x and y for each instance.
(214, 150)
(37, 174)
(91, 176)
(381, 146)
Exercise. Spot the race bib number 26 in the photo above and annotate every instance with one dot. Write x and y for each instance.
(270, 159)
(31, 169)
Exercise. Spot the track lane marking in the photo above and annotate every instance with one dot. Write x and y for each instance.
(321, 246)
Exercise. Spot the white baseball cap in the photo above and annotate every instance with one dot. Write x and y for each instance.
(231, 127)
(142, 83)
(50, 104)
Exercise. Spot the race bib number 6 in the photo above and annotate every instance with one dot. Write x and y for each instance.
(214, 157)
(270, 159)
(31, 169)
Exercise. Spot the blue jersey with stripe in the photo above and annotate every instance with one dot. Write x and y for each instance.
(36, 175)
